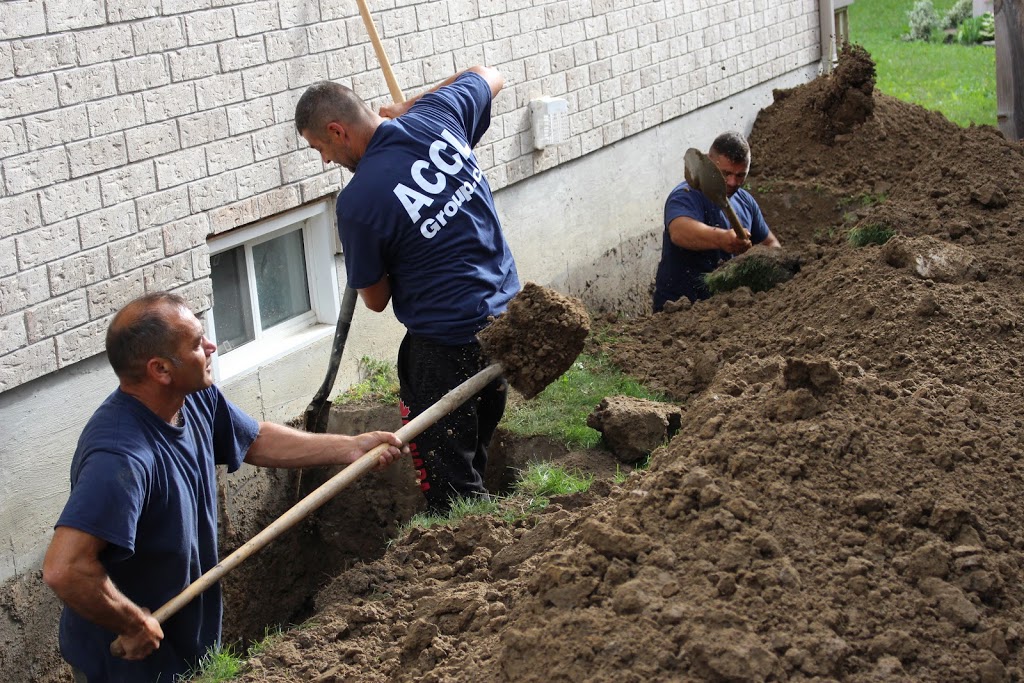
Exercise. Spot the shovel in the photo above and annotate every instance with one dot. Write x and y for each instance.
(702, 174)
(318, 411)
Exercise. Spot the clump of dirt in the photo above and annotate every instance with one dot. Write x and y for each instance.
(843, 498)
(538, 338)
(845, 98)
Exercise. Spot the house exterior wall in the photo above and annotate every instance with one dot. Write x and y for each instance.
(133, 130)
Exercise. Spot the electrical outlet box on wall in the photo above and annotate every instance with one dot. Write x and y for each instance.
(549, 118)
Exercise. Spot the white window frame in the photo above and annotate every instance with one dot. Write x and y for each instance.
(321, 276)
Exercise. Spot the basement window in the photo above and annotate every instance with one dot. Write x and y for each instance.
(275, 289)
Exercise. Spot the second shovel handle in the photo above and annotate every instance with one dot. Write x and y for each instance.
(382, 57)
(447, 403)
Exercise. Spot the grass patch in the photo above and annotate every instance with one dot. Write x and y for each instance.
(758, 273)
(542, 479)
(957, 80)
(461, 508)
(379, 383)
(224, 663)
(622, 473)
(218, 664)
(560, 411)
(864, 235)
(531, 491)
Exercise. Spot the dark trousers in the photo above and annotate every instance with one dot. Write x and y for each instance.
(451, 455)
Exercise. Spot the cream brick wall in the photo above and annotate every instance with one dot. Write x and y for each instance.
(130, 130)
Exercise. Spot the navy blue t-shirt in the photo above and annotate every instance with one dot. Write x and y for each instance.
(681, 271)
(149, 489)
(420, 210)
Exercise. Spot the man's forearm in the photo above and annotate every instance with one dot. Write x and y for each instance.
(281, 446)
(87, 589)
(493, 77)
(689, 233)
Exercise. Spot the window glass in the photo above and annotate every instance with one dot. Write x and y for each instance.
(231, 298)
(281, 288)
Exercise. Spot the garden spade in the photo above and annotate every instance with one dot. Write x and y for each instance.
(702, 174)
(318, 410)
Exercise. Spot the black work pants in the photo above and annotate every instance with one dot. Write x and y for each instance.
(451, 455)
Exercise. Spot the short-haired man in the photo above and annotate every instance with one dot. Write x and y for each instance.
(698, 236)
(419, 230)
(140, 524)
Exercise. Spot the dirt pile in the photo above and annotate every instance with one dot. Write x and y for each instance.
(844, 499)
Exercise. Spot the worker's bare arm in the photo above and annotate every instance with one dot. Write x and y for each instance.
(376, 297)
(73, 570)
(281, 446)
(493, 77)
(690, 233)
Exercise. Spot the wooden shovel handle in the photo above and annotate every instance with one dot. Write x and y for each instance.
(737, 227)
(449, 402)
(385, 65)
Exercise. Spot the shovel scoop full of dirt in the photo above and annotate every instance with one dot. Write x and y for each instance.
(537, 338)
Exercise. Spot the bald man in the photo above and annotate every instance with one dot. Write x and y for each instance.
(140, 524)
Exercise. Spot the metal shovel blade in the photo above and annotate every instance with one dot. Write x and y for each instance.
(702, 174)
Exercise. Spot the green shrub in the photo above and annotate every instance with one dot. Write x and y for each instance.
(969, 32)
(961, 11)
(924, 21)
(974, 30)
(864, 235)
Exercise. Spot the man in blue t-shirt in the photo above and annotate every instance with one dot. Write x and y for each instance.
(419, 230)
(140, 524)
(698, 236)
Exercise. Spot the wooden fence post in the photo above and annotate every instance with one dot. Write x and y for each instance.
(1009, 16)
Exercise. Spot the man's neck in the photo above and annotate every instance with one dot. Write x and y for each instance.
(164, 405)
(366, 133)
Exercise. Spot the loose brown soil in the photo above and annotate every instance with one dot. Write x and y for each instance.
(845, 497)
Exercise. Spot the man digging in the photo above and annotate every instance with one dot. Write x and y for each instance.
(140, 524)
(698, 236)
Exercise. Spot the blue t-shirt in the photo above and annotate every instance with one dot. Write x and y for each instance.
(149, 489)
(681, 271)
(420, 210)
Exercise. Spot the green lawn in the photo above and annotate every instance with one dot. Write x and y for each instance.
(958, 80)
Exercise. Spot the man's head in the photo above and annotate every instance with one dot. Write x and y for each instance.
(731, 154)
(156, 338)
(335, 122)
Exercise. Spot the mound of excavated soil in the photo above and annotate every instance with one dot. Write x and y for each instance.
(845, 497)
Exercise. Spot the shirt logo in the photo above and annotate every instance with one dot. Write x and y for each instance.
(415, 200)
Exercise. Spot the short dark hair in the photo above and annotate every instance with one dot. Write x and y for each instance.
(141, 331)
(326, 101)
(733, 147)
